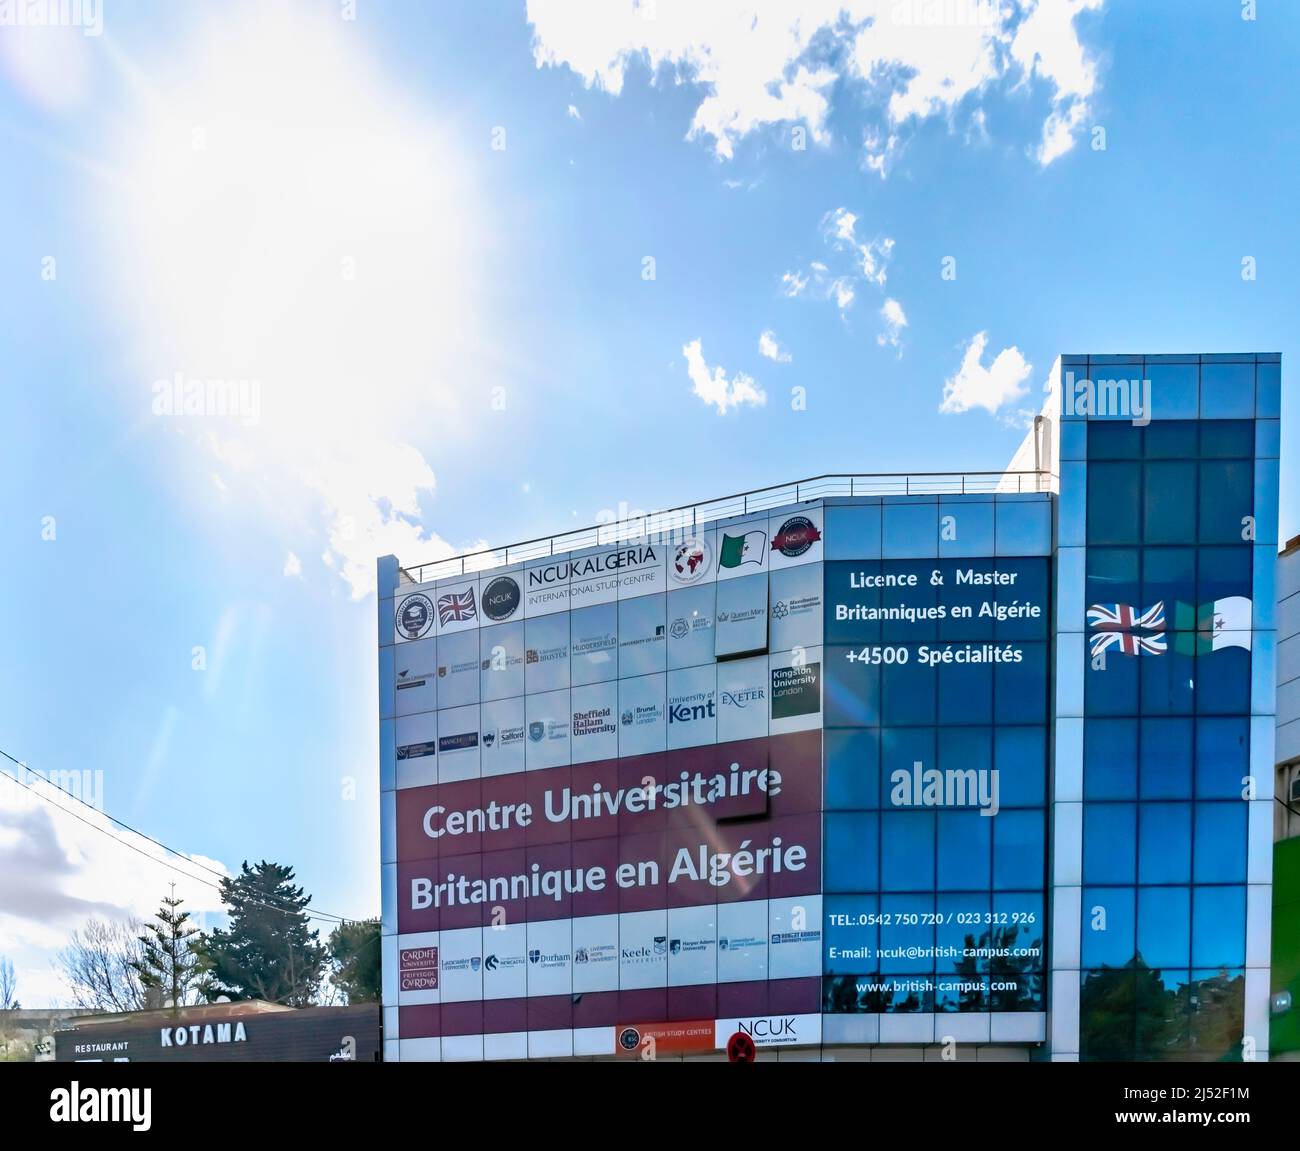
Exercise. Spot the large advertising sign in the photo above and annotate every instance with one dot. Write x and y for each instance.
(936, 728)
(658, 794)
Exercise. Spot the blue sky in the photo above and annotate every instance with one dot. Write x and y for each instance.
(420, 237)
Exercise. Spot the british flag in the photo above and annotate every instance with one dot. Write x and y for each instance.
(1129, 644)
(456, 607)
(1125, 617)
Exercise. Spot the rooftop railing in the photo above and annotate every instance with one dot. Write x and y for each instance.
(679, 523)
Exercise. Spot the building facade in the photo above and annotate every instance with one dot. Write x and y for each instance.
(868, 767)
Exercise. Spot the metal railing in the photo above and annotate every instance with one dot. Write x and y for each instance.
(678, 523)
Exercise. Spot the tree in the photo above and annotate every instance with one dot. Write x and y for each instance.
(8, 986)
(99, 966)
(355, 955)
(269, 950)
(168, 962)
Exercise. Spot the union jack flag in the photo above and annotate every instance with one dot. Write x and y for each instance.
(1129, 644)
(456, 607)
(1123, 617)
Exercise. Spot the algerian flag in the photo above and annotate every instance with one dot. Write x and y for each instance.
(1223, 623)
(746, 549)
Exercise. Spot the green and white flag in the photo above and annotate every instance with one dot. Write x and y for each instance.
(1211, 626)
(746, 549)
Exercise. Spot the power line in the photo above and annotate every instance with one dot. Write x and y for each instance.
(321, 916)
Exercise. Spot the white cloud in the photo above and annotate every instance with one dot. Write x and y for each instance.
(292, 566)
(842, 290)
(713, 387)
(769, 346)
(794, 283)
(763, 62)
(863, 260)
(574, 114)
(237, 248)
(895, 321)
(56, 871)
(975, 386)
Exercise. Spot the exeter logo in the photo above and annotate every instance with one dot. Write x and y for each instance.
(77, 1104)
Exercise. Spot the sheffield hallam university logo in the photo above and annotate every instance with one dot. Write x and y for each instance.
(414, 616)
(796, 536)
(536, 730)
(456, 607)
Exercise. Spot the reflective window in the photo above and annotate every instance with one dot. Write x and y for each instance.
(1109, 843)
(1218, 926)
(1220, 844)
(1164, 931)
(1114, 504)
(1165, 843)
(851, 854)
(1109, 750)
(907, 851)
(1108, 926)
(1222, 757)
(852, 769)
(1018, 851)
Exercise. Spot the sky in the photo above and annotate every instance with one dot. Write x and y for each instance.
(472, 273)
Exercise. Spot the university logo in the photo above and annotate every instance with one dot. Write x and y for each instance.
(474, 964)
(796, 536)
(535, 956)
(536, 730)
(691, 561)
(500, 599)
(679, 628)
(414, 616)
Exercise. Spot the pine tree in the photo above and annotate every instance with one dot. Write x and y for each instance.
(269, 951)
(168, 961)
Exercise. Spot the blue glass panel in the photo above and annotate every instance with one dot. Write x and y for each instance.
(1223, 572)
(853, 532)
(1112, 575)
(1164, 930)
(965, 693)
(1019, 689)
(1227, 391)
(1168, 576)
(852, 691)
(1110, 749)
(1227, 439)
(1168, 514)
(851, 862)
(1114, 500)
(1165, 843)
(1168, 680)
(1227, 497)
(1220, 843)
(1223, 681)
(965, 844)
(852, 769)
(1024, 529)
(1109, 843)
(1108, 926)
(1166, 758)
(1171, 439)
(1218, 926)
(911, 529)
(907, 850)
(908, 693)
(1114, 441)
(1020, 757)
(1018, 851)
(1222, 757)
